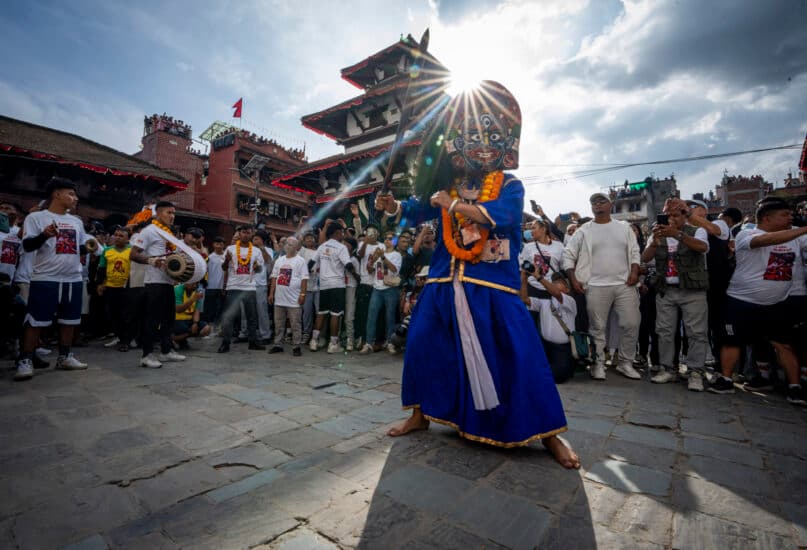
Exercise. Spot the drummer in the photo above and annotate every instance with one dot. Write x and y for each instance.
(151, 246)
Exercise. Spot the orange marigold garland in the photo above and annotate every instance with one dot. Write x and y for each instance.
(170, 247)
(243, 261)
(491, 187)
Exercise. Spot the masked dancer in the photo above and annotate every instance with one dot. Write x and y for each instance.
(487, 375)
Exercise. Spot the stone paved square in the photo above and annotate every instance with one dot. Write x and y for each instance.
(281, 452)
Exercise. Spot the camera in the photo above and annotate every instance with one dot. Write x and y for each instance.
(398, 337)
(528, 266)
(663, 219)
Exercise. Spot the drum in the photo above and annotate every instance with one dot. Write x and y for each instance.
(180, 267)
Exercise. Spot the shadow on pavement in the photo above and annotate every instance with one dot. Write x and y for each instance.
(437, 490)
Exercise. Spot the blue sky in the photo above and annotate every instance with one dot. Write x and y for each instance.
(599, 81)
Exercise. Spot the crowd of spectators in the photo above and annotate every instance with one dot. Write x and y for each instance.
(713, 302)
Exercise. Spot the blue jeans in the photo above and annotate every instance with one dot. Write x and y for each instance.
(388, 299)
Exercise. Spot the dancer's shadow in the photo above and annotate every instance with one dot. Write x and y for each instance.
(437, 490)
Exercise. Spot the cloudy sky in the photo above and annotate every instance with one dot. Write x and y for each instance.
(599, 81)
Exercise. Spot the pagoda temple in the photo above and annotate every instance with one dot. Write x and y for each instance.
(366, 126)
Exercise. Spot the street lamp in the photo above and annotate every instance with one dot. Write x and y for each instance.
(254, 166)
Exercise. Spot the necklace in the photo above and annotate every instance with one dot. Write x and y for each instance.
(170, 247)
(243, 261)
(491, 187)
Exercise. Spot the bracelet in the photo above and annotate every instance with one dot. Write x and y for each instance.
(454, 204)
(397, 208)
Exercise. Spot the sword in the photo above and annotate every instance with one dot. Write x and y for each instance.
(406, 110)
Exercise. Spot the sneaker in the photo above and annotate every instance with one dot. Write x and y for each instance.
(150, 362)
(171, 357)
(366, 349)
(296, 352)
(276, 349)
(349, 345)
(43, 351)
(335, 348)
(627, 370)
(312, 345)
(710, 362)
(112, 343)
(392, 349)
(758, 383)
(69, 362)
(721, 385)
(640, 362)
(795, 395)
(663, 377)
(598, 371)
(695, 382)
(25, 370)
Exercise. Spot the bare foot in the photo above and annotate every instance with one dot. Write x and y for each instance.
(565, 456)
(412, 424)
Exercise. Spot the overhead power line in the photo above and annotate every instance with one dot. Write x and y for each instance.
(622, 166)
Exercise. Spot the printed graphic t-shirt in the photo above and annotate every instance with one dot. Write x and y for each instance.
(289, 273)
(242, 277)
(10, 246)
(763, 275)
(58, 259)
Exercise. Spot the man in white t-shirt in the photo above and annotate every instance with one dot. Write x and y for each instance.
(287, 293)
(365, 288)
(243, 262)
(757, 305)
(333, 260)
(214, 299)
(554, 335)
(150, 247)
(56, 240)
(602, 262)
(679, 250)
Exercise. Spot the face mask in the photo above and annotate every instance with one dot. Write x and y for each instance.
(528, 235)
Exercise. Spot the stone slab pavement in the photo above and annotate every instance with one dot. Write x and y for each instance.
(250, 450)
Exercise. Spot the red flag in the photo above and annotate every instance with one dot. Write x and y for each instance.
(237, 106)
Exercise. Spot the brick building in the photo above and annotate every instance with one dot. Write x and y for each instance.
(220, 195)
(742, 192)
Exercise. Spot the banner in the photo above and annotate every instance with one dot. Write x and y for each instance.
(803, 161)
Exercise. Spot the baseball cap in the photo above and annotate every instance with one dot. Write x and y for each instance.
(598, 196)
(696, 202)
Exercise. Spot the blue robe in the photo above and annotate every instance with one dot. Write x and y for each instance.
(434, 375)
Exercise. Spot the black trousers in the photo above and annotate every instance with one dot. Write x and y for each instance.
(213, 305)
(716, 300)
(232, 307)
(119, 306)
(560, 360)
(159, 317)
(648, 339)
(137, 309)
